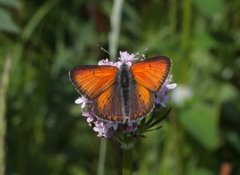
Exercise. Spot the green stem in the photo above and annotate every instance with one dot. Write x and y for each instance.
(3, 106)
(186, 39)
(172, 16)
(102, 156)
(127, 162)
(36, 19)
(115, 23)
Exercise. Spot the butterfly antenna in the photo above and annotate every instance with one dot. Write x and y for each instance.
(142, 53)
(146, 49)
(104, 50)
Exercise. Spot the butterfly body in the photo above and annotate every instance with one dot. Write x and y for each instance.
(124, 93)
(125, 84)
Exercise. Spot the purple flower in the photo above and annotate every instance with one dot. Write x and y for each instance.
(100, 128)
(89, 117)
(125, 58)
(161, 96)
(104, 129)
(82, 100)
(105, 62)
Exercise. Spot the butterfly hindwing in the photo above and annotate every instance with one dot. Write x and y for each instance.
(108, 105)
(141, 101)
(151, 73)
(91, 81)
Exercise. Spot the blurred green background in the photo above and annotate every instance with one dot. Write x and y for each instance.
(41, 130)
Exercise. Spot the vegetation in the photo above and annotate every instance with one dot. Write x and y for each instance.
(41, 127)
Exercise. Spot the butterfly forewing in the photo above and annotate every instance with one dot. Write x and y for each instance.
(151, 73)
(91, 81)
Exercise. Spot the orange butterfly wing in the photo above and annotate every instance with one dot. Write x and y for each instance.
(141, 102)
(108, 105)
(151, 73)
(93, 80)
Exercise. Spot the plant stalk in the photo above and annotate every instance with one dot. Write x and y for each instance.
(115, 22)
(5, 78)
(127, 161)
(102, 156)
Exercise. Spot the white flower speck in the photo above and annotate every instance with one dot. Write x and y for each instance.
(82, 100)
(105, 62)
(126, 58)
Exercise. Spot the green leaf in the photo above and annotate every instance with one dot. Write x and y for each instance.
(10, 3)
(192, 169)
(209, 8)
(6, 22)
(227, 92)
(201, 122)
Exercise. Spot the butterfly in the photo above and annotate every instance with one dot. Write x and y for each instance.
(122, 94)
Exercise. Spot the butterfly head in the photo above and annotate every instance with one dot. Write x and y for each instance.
(125, 66)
